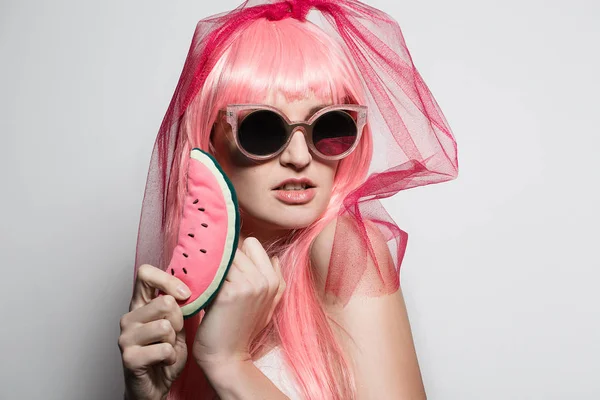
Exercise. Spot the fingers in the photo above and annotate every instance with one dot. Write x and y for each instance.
(152, 328)
(281, 284)
(255, 251)
(252, 260)
(150, 278)
(136, 357)
(159, 331)
(280, 289)
(255, 262)
(236, 274)
(162, 307)
(158, 321)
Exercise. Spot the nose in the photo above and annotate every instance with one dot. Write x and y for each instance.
(296, 154)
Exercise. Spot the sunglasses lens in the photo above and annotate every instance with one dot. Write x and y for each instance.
(262, 133)
(334, 133)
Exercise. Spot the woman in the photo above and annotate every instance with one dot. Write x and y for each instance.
(312, 306)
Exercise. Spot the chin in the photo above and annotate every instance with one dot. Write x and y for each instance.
(268, 212)
(297, 216)
(292, 221)
(282, 216)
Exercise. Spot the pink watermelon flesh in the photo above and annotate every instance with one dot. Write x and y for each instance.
(208, 232)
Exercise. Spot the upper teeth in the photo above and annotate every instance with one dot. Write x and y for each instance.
(294, 186)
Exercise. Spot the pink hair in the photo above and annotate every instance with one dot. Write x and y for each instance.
(295, 58)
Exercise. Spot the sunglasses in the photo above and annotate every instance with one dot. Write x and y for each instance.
(262, 132)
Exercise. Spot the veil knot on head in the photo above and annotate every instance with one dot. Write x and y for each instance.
(294, 8)
(412, 144)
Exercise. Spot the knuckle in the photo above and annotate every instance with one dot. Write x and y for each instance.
(166, 303)
(143, 271)
(166, 351)
(241, 293)
(180, 320)
(122, 343)
(249, 291)
(273, 285)
(171, 338)
(163, 327)
(129, 359)
(225, 296)
(123, 322)
(262, 286)
(170, 301)
(236, 294)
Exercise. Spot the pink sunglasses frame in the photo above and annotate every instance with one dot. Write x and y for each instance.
(232, 112)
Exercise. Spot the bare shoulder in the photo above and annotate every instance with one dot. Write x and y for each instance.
(355, 240)
(386, 367)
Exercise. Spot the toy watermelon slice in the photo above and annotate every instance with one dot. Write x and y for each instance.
(208, 232)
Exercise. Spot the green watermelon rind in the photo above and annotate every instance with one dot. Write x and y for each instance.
(191, 309)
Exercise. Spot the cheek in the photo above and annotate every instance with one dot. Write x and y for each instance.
(242, 182)
(250, 183)
(326, 179)
(328, 172)
(240, 177)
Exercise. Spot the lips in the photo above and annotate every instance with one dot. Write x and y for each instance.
(295, 197)
(303, 183)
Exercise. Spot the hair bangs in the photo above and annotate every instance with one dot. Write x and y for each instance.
(287, 57)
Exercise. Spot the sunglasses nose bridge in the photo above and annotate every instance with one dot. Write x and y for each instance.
(301, 126)
(293, 128)
(304, 130)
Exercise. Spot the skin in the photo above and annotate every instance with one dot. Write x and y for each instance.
(266, 217)
(384, 368)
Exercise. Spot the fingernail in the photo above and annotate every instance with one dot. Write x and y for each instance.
(184, 291)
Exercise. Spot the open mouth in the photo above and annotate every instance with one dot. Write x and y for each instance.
(294, 186)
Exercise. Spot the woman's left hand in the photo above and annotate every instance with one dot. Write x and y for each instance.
(243, 306)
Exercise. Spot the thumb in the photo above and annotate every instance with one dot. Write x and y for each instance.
(277, 268)
(280, 289)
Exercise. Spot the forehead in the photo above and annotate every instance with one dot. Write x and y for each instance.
(297, 109)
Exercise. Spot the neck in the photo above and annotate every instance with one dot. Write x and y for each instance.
(266, 233)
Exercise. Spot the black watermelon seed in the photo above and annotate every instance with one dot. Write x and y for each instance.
(201, 209)
(202, 250)
(196, 201)
(204, 225)
(172, 272)
(191, 235)
(184, 271)
(185, 255)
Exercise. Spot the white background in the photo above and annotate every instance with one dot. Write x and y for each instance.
(501, 272)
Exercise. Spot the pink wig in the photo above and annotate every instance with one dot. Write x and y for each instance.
(296, 58)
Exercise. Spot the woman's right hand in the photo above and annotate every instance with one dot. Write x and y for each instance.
(152, 339)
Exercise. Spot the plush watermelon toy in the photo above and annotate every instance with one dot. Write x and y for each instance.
(208, 233)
